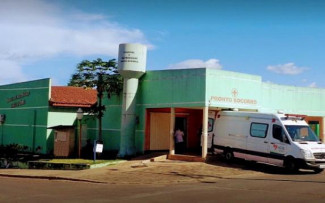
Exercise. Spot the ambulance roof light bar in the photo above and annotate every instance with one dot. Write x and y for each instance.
(302, 117)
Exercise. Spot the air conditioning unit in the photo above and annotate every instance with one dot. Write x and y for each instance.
(2, 118)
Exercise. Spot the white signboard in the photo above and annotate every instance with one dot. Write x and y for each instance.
(99, 148)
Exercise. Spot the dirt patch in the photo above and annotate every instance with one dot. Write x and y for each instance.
(147, 172)
(164, 172)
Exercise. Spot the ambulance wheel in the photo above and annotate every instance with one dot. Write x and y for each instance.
(318, 170)
(229, 155)
(291, 165)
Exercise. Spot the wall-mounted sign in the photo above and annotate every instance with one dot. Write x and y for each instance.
(99, 148)
(21, 102)
(132, 57)
(132, 60)
(235, 99)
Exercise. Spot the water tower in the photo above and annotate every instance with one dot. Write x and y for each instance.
(131, 65)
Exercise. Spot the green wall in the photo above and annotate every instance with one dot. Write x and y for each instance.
(25, 106)
(172, 88)
(112, 122)
(290, 99)
(251, 93)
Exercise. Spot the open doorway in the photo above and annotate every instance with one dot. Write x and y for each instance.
(181, 124)
(158, 129)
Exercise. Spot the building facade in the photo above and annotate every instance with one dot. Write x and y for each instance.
(31, 108)
(165, 99)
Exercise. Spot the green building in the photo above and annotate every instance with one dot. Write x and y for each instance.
(165, 99)
(186, 98)
(29, 109)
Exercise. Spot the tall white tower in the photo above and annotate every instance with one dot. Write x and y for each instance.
(131, 65)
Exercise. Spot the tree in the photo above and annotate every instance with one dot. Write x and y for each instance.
(103, 76)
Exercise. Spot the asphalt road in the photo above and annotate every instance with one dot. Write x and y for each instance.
(266, 187)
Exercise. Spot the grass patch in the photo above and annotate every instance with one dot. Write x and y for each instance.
(77, 161)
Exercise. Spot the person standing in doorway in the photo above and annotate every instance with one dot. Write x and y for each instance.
(179, 141)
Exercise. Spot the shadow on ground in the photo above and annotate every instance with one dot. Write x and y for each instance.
(253, 166)
(218, 160)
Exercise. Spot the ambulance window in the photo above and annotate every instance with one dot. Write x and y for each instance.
(210, 124)
(259, 130)
(279, 134)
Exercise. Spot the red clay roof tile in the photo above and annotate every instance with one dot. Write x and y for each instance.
(66, 96)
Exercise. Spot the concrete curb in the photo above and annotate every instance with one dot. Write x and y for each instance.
(68, 166)
(51, 178)
(106, 164)
(47, 177)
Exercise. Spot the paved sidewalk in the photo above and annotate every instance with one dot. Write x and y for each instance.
(140, 172)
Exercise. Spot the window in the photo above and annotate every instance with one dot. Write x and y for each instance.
(301, 133)
(259, 130)
(279, 134)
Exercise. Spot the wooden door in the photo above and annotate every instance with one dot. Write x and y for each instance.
(159, 131)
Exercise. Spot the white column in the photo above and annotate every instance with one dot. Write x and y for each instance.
(128, 121)
(205, 132)
(171, 137)
(322, 133)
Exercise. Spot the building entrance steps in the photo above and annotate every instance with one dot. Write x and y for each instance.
(151, 155)
(163, 155)
(184, 157)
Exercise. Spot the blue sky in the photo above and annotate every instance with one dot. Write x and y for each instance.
(281, 40)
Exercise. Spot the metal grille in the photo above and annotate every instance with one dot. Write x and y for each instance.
(319, 155)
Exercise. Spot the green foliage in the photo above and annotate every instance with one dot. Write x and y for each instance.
(99, 74)
(11, 151)
(103, 76)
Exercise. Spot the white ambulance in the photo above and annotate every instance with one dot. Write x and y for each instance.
(283, 140)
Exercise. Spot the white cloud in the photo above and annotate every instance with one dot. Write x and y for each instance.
(33, 30)
(313, 85)
(196, 63)
(88, 17)
(10, 71)
(286, 69)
